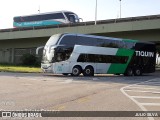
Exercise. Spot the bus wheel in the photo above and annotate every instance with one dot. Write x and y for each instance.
(129, 72)
(88, 71)
(76, 71)
(137, 72)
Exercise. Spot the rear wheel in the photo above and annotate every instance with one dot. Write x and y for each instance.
(88, 71)
(129, 72)
(137, 72)
(76, 71)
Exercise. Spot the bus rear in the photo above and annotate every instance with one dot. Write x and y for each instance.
(144, 59)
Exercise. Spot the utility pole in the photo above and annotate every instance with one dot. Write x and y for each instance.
(120, 9)
(39, 9)
(96, 13)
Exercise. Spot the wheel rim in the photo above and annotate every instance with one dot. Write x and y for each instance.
(88, 71)
(130, 72)
(75, 71)
(138, 72)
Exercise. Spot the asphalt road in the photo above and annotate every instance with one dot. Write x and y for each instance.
(26, 91)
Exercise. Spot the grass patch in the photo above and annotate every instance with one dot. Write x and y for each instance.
(14, 68)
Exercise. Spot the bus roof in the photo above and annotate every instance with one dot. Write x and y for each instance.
(104, 37)
(87, 35)
(44, 13)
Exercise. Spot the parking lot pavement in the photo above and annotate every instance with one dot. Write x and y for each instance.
(145, 94)
(26, 91)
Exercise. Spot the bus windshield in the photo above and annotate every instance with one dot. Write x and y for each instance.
(53, 40)
(72, 17)
(48, 51)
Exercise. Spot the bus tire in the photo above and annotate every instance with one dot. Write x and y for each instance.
(137, 72)
(129, 72)
(88, 71)
(76, 71)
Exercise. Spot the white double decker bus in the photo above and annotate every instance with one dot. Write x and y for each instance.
(88, 54)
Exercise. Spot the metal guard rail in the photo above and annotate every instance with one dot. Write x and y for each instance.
(129, 19)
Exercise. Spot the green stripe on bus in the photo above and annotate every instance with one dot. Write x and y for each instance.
(121, 68)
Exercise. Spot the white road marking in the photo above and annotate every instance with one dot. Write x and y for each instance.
(133, 98)
(150, 84)
(148, 97)
(143, 91)
(131, 87)
(150, 104)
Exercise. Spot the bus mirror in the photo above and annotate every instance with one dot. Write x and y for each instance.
(80, 19)
(39, 49)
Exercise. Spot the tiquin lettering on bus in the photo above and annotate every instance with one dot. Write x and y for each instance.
(144, 53)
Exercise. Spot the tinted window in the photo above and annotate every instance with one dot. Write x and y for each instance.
(100, 42)
(68, 14)
(113, 43)
(52, 16)
(72, 19)
(39, 17)
(18, 19)
(102, 58)
(86, 58)
(129, 45)
(88, 41)
(69, 40)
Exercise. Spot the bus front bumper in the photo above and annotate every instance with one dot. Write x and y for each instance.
(46, 68)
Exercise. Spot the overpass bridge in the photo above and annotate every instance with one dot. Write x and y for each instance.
(15, 42)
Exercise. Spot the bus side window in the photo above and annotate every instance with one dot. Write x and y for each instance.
(87, 41)
(129, 45)
(100, 42)
(69, 41)
(72, 18)
(108, 43)
(81, 58)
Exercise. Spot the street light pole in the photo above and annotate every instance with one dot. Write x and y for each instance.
(120, 9)
(39, 9)
(96, 13)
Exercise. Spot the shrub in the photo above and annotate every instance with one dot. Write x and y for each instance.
(30, 60)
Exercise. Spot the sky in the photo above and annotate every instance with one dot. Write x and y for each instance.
(106, 9)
